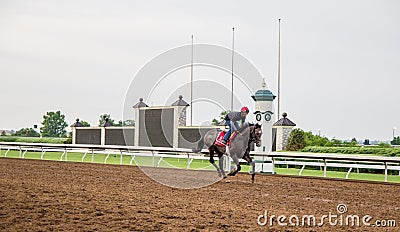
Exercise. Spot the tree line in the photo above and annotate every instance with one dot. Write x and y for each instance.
(299, 139)
(54, 125)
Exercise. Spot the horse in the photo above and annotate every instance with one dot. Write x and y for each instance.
(239, 147)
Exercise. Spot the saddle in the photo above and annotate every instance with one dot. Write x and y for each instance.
(220, 138)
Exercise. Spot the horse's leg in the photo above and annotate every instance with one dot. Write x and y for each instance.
(221, 162)
(253, 165)
(200, 146)
(211, 149)
(238, 167)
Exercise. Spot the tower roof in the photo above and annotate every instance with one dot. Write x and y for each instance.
(77, 123)
(140, 104)
(107, 122)
(263, 95)
(180, 102)
(284, 121)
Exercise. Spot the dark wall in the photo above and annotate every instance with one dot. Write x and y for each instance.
(120, 136)
(189, 137)
(88, 136)
(156, 127)
(273, 139)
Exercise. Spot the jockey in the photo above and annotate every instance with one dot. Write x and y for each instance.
(231, 120)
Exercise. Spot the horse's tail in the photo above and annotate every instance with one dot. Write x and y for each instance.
(200, 146)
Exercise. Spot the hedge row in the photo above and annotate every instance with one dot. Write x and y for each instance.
(32, 139)
(354, 150)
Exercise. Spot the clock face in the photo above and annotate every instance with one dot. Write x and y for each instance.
(258, 117)
(267, 117)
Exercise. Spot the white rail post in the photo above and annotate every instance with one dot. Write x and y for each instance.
(348, 173)
(105, 160)
(152, 162)
(83, 157)
(92, 155)
(301, 170)
(133, 157)
(386, 172)
(42, 154)
(273, 165)
(5, 155)
(324, 167)
(120, 159)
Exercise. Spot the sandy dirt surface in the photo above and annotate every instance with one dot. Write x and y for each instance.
(61, 196)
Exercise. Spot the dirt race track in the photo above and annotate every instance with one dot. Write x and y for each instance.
(60, 196)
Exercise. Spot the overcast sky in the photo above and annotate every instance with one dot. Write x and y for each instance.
(339, 67)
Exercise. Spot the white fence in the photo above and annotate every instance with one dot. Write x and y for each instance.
(302, 159)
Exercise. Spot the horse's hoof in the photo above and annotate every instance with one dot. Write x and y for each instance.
(232, 174)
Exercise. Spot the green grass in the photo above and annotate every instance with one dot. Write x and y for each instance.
(333, 174)
(32, 139)
(182, 163)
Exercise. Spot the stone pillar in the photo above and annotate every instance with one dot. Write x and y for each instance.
(73, 135)
(179, 118)
(137, 127)
(182, 115)
(73, 127)
(283, 129)
(137, 107)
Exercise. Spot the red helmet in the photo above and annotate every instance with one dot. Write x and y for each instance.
(244, 109)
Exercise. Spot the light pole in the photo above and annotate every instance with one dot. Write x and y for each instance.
(233, 53)
(394, 128)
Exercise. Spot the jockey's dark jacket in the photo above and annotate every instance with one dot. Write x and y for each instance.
(234, 117)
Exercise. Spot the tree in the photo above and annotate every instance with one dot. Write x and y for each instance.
(27, 132)
(84, 123)
(384, 145)
(221, 118)
(3, 133)
(335, 143)
(315, 140)
(127, 122)
(103, 117)
(395, 141)
(297, 140)
(69, 138)
(54, 125)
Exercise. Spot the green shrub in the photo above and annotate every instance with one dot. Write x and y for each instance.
(354, 150)
(297, 140)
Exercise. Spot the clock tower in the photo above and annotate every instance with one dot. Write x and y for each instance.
(264, 115)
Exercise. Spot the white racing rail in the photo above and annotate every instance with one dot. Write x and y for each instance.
(288, 158)
(325, 160)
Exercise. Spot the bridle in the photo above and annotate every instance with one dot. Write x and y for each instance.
(255, 136)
